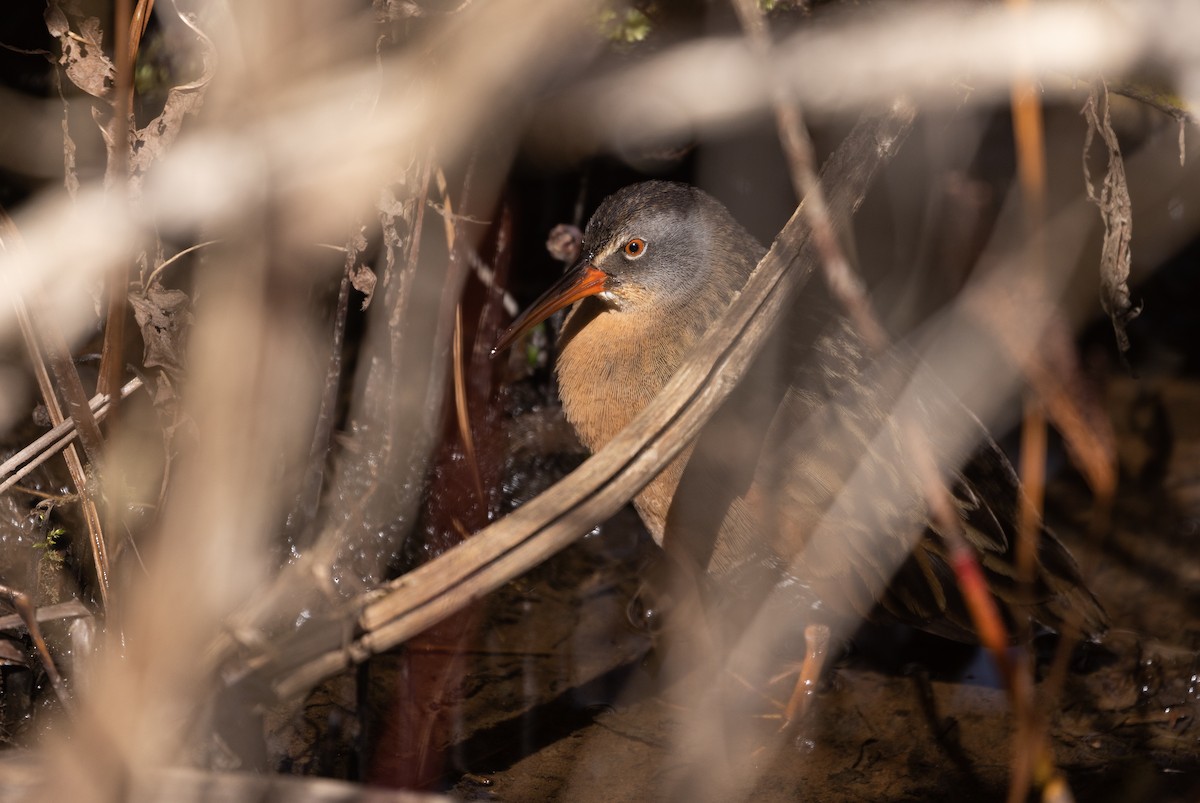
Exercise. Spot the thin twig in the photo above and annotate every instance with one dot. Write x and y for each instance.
(167, 263)
(47, 613)
(112, 352)
(1029, 745)
(137, 28)
(55, 440)
(461, 406)
(28, 614)
(69, 385)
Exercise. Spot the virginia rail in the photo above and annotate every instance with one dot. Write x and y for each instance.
(767, 499)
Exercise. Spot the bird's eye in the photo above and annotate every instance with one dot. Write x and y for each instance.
(635, 248)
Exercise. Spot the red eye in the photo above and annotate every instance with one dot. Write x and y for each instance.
(635, 248)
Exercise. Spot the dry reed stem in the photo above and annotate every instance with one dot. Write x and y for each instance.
(1029, 743)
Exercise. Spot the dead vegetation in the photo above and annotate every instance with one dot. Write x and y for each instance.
(293, 253)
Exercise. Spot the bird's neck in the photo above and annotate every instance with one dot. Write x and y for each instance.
(610, 369)
(613, 362)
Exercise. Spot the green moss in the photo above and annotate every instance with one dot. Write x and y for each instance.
(56, 541)
(625, 27)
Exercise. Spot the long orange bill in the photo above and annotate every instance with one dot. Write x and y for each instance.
(580, 282)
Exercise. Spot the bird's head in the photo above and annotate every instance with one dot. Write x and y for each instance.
(651, 246)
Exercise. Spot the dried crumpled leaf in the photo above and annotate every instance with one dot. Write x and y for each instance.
(362, 278)
(392, 212)
(157, 136)
(164, 318)
(1116, 210)
(82, 51)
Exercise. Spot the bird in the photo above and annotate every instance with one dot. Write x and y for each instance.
(803, 479)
